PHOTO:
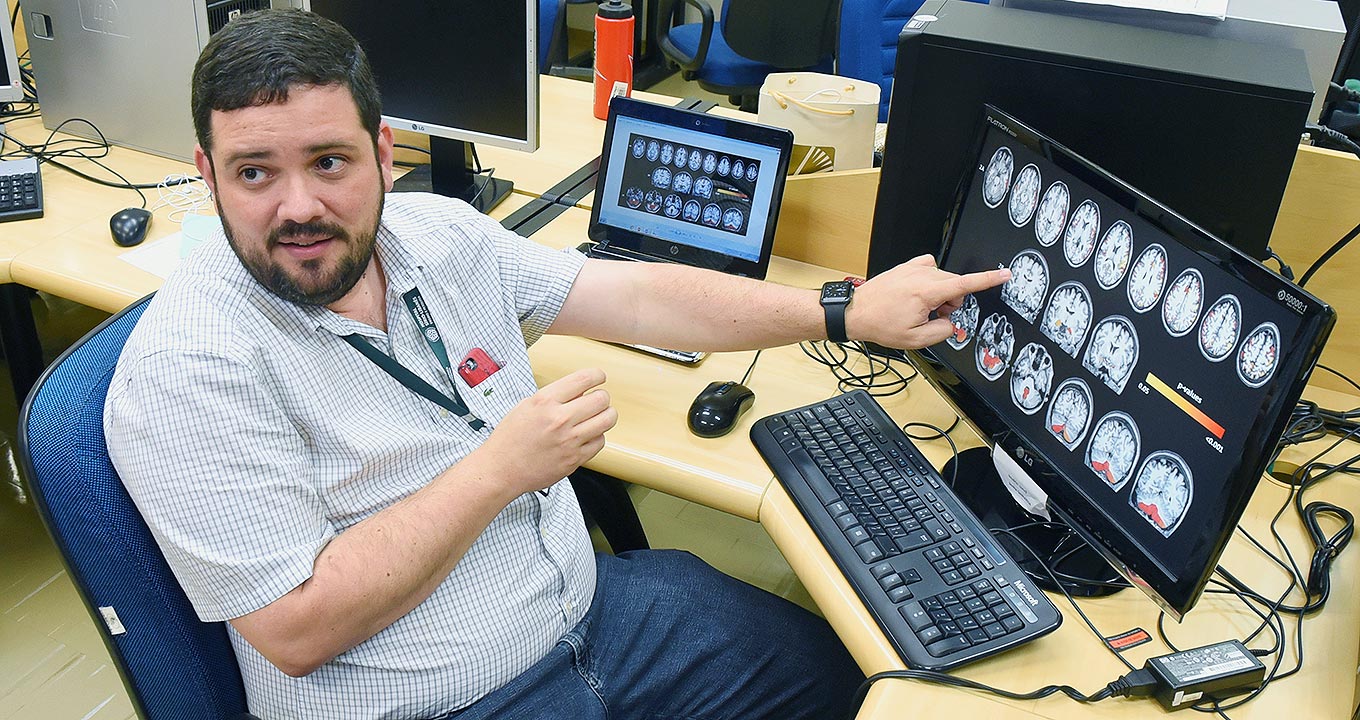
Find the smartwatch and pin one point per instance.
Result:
(835, 299)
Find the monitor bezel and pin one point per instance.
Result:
(14, 92)
(779, 138)
(1176, 596)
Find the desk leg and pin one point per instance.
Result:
(19, 339)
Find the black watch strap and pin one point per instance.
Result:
(835, 299)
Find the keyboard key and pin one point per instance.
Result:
(929, 634)
(900, 594)
(856, 534)
(994, 630)
(985, 616)
(869, 552)
(888, 582)
(1012, 623)
(977, 636)
(968, 624)
(940, 648)
(882, 570)
(952, 577)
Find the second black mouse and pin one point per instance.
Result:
(716, 410)
(129, 226)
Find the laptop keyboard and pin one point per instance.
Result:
(20, 190)
(924, 566)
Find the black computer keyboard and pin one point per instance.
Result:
(20, 190)
(924, 566)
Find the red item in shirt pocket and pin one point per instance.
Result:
(476, 366)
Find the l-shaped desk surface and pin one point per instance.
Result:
(69, 253)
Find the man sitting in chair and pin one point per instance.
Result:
(377, 552)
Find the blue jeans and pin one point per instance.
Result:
(668, 637)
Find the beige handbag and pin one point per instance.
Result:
(832, 119)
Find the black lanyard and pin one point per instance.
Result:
(420, 313)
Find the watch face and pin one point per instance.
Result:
(1028, 285)
(1219, 329)
(996, 342)
(1068, 317)
(965, 321)
(1113, 255)
(1024, 195)
(1080, 239)
(1069, 417)
(1184, 300)
(1163, 490)
(1113, 352)
(1114, 449)
(1048, 224)
(997, 179)
(1031, 378)
(1259, 355)
(1147, 278)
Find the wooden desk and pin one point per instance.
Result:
(1071, 655)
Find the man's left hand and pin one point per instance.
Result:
(908, 306)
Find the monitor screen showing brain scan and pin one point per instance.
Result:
(1133, 364)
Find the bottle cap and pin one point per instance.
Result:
(615, 10)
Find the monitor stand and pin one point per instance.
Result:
(451, 173)
(980, 488)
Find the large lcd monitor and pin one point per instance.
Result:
(460, 71)
(1138, 370)
(11, 82)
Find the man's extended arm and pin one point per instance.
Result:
(683, 307)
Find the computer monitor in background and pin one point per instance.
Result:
(1209, 126)
(458, 70)
(1135, 369)
(11, 82)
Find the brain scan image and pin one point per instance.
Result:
(695, 160)
(996, 342)
(1147, 278)
(738, 169)
(672, 205)
(653, 151)
(1113, 255)
(1113, 352)
(1220, 327)
(1259, 355)
(1069, 417)
(681, 157)
(965, 321)
(652, 203)
(1048, 224)
(732, 220)
(661, 177)
(1068, 317)
(1163, 490)
(1031, 378)
(712, 215)
(1028, 285)
(1113, 450)
(724, 166)
(1184, 299)
(1079, 240)
(691, 211)
(710, 163)
(639, 147)
(667, 152)
(682, 182)
(633, 196)
(751, 172)
(1024, 195)
(997, 178)
(703, 186)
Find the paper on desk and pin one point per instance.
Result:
(1217, 9)
(1030, 496)
(161, 257)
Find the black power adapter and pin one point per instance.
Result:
(1212, 672)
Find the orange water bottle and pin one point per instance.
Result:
(613, 54)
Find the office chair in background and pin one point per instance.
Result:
(174, 666)
(751, 39)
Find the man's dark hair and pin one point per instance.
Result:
(256, 58)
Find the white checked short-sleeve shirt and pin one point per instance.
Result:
(250, 434)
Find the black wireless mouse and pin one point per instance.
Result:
(129, 226)
(716, 410)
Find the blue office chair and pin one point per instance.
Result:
(751, 39)
(867, 49)
(174, 666)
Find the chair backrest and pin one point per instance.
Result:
(174, 666)
(867, 47)
(786, 34)
(552, 35)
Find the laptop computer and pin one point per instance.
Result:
(686, 187)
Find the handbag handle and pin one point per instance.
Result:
(784, 101)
